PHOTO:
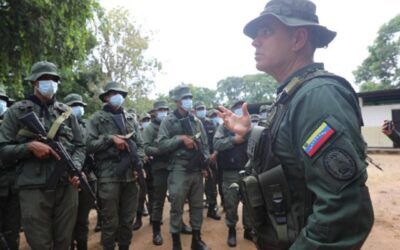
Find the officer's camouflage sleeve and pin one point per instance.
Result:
(149, 136)
(139, 141)
(222, 142)
(204, 141)
(96, 142)
(9, 148)
(330, 149)
(167, 142)
(395, 136)
(78, 155)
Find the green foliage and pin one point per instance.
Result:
(206, 95)
(381, 69)
(37, 30)
(252, 88)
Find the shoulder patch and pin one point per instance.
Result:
(318, 138)
(339, 164)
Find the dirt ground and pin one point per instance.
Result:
(384, 188)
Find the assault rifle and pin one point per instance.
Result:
(32, 122)
(129, 158)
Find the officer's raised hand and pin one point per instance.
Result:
(120, 143)
(42, 150)
(239, 125)
(189, 142)
(387, 127)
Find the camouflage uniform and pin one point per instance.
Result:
(183, 182)
(81, 230)
(118, 193)
(48, 216)
(10, 218)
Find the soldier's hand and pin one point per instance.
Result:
(205, 174)
(213, 157)
(42, 151)
(240, 125)
(238, 139)
(189, 142)
(75, 181)
(387, 127)
(120, 143)
(146, 159)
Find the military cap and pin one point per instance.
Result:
(159, 105)
(113, 86)
(293, 13)
(199, 104)
(142, 117)
(212, 112)
(254, 118)
(4, 96)
(42, 68)
(181, 92)
(237, 103)
(131, 111)
(74, 99)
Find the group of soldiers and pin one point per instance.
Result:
(300, 169)
(182, 154)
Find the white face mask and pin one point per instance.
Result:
(161, 115)
(116, 100)
(78, 111)
(145, 124)
(201, 113)
(187, 104)
(3, 107)
(216, 120)
(47, 88)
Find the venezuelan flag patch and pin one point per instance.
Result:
(317, 139)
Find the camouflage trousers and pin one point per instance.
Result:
(10, 219)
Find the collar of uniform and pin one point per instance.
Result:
(108, 108)
(303, 71)
(37, 101)
(180, 116)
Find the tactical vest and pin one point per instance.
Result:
(266, 192)
(234, 158)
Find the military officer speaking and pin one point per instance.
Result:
(47, 214)
(309, 165)
(182, 136)
(115, 141)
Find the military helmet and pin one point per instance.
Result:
(74, 99)
(237, 103)
(42, 68)
(160, 105)
(181, 92)
(4, 96)
(113, 86)
(199, 104)
(293, 13)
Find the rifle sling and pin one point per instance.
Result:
(57, 123)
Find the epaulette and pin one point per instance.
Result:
(24, 105)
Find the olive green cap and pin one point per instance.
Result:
(142, 117)
(181, 92)
(74, 99)
(113, 86)
(42, 68)
(212, 112)
(199, 104)
(237, 103)
(4, 96)
(159, 105)
(292, 13)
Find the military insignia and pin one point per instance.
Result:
(318, 138)
(339, 164)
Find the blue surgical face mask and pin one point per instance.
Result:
(201, 113)
(48, 88)
(216, 120)
(161, 115)
(116, 100)
(78, 111)
(238, 112)
(145, 124)
(187, 104)
(3, 107)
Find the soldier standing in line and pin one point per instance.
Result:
(47, 216)
(10, 218)
(81, 230)
(210, 187)
(117, 146)
(142, 209)
(309, 161)
(182, 136)
(232, 158)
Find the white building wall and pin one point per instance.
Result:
(373, 117)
